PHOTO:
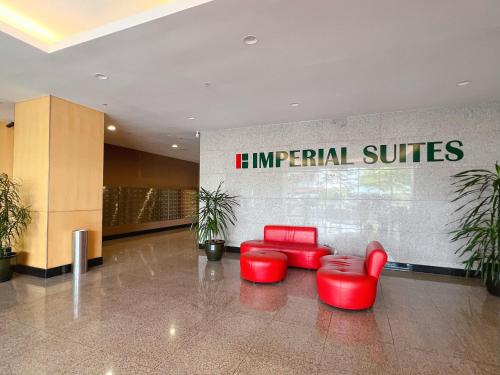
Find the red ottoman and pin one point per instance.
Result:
(263, 266)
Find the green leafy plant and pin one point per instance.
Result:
(478, 195)
(215, 214)
(14, 217)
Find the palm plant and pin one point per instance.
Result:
(215, 215)
(478, 233)
(14, 217)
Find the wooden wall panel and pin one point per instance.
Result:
(32, 247)
(127, 167)
(6, 149)
(61, 226)
(76, 157)
(31, 168)
(31, 151)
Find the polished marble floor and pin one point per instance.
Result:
(157, 306)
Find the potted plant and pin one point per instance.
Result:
(14, 218)
(215, 214)
(478, 233)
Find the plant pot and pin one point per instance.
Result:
(214, 249)
(6, 267)
(493, 287)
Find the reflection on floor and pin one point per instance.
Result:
(157, 306)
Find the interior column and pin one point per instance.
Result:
(58, 157)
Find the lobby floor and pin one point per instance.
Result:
(157, 306)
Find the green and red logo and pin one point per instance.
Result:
(241, 161)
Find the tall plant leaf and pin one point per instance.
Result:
(477, 193)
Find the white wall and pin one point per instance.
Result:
(403, 205)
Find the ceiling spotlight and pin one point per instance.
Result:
(111, 128)
(463, 83)
(104, 104)
(250, 39)
(294, 104)
(197, 135)
(190, 118)
(101, 76)
(175, 146)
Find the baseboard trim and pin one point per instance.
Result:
(232, 249)
(409, 267)
(229, 249)
(405, 267)
(51, 272)
(141, 232)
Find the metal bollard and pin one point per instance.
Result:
(80, 244)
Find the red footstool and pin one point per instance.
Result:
(263, 266)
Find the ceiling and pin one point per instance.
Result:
(51, 25)
(333, 57)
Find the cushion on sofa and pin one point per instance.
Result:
(290, 234)
(341, 259)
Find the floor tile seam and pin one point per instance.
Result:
(450, 353)
(51, 336)
(451, 328)
(452, 356)
(257, 339)
(24, 303)
(70, 368)
(247, 352)
(244, 315)
(292, 323)
(390, 327)
(105, 353)
(37, 329)
(277, 355)
(324, 342)
(57, 335)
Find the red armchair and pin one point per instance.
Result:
(299, 244)
(350, 282)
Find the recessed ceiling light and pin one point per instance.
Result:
(175, 146)
(463, 83)
(101, 76)
(111, 128)
(294, 104)
(250, 39)
(191, 118)
(104, 104)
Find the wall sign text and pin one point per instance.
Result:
(437, 151)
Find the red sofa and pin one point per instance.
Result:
(350, 282)
(299, 244)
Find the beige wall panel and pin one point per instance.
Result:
(31, 151)
(32, 246)
(127, 167)
(61, 225)
(6, 149)
(76, 157)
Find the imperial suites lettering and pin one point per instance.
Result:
(432, 151)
